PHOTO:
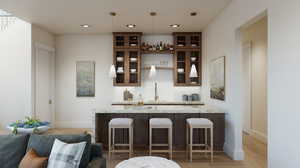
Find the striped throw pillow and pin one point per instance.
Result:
(65, 155)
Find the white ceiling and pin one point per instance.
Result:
(66, 16)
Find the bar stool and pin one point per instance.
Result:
(199, 123)
(161, 123)
(120, 123)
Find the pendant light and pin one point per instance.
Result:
(193, 73)
(152, 73)
(112, 72)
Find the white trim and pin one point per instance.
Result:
(234, 154)
(44, 47)
(247, 46)
(40, 46)
(259, 136)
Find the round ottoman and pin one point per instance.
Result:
(148, 162)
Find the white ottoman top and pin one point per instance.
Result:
(148, 162)
(160, 122)
(199, 122)
(119, 122)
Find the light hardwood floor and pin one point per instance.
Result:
(255, 154)
(255, 157)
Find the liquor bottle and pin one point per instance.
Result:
(160, 46)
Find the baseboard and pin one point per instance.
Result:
(73, 124)
(259, 136)
(234, 154)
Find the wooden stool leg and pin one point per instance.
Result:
(150, 140)
(187, 139)
(130, 141)
(109, 143)
(191, 144)
(113, 138)
(206, 143)
(170, 137)
(211, 144)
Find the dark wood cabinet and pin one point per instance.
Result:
(184, 59)
(187, 47)
(127, 59)
(187, 40)
(141, 129)
(125, 40)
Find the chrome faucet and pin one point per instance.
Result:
(156, 95)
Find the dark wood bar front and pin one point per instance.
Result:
(141, 129)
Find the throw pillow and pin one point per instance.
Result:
(65, 155)
(33, 160)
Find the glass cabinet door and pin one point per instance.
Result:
(133, 67)
(180, 67)
(120, 66)
(194, 59)
(120, 41)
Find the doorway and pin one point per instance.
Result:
(254, 53)
(44, 83)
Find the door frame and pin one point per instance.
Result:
(247, 125)
(40, 46)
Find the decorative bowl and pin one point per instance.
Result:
(180, 70)
(120, 59)
(30, 125)
(37, 130)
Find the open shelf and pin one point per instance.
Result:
(158, 52)
(159, 68)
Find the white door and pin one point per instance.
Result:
(44, 92)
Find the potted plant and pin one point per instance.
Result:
(30, 125)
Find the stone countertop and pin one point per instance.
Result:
(163, 109)
(159, 103)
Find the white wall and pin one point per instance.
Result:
(70, 110)
(76, 112)
(257, 35)
(283, 84)
(15, 72)
(221, 39)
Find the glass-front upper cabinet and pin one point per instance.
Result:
(127, 40)
(186, 61)
(187, 40)
(128, 67)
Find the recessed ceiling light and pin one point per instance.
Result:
(85, 26)
(193, 13)
(174, 25)
(112, 13)
(131, 25)
(152, 13)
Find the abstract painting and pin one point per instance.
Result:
(85, 78)
(217, 79)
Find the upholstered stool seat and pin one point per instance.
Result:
(120, 123)
(161, 123)
(199, 123)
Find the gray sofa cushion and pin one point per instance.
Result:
(12, 150)
(43, 145)
(97, 163)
